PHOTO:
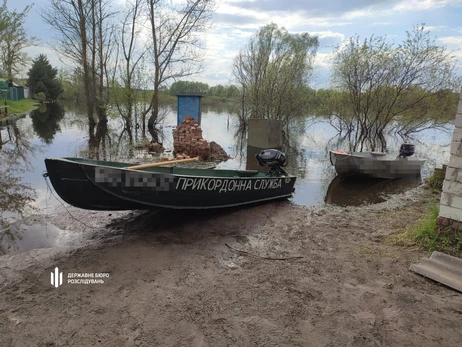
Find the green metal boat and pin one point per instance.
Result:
(103, 185)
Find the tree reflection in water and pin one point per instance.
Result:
(45, 121)
(113, 141)
(15, 196)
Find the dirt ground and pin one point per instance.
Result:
(267, 275)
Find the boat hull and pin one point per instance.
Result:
(93, 186)
(369, 164)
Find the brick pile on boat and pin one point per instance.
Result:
(188, 141)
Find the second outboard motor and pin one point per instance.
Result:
(406, 150)
(273, 159)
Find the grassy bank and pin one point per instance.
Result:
(19, 107)
(423, 235)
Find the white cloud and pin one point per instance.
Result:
(416, 5)
(323, 60)
(437, 28)
(328, 34)
(452, 40)
(378, 11)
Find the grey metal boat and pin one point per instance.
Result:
(376, 164)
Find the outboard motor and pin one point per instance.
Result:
(406, 150)
(273, 159)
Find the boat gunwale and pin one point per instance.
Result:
(258, 175)
(376, 159)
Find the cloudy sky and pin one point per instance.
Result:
(333, 21)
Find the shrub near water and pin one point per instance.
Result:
(423, 234)
(436, 180)
(40, 97)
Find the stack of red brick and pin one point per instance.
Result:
(188, 141)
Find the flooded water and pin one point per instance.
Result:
(59, 132)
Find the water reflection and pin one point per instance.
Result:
(23, 238)
(317, 181)
(360, 191)
(6, 122)
(16, 196)
(45, 121)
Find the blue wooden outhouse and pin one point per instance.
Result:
(189, 105)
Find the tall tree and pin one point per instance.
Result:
(177, 50)
(384, 87)
(127, 80)
(84, 35)
(13, 39)
(273, 72)
(43, 78)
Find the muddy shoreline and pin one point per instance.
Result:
(268, 275)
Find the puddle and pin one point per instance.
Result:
(360, 191)
(19, 238)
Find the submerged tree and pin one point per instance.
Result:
(382, 88)
(84, 32)
(177, 45)
(273, 72)
(129, 77)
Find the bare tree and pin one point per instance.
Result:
(84, 35)
(126, 81)
(177, 50)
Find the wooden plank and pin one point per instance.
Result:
(145, 166)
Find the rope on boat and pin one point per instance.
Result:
(45, 175)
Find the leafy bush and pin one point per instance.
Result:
(40, 97)
(436, 180)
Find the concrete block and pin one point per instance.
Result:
(265, 133)
(457, 134)
(456, 148)
(446, 199)
(452, 187)
(456, 202)
(455, 162)
(451, 212)
(453, 174)
(458, 121)
(451, 200)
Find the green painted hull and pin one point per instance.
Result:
(100, 185)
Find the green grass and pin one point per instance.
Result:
(436, 180)
(423, 235)
(21, 106)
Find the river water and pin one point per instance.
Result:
(64, 132)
